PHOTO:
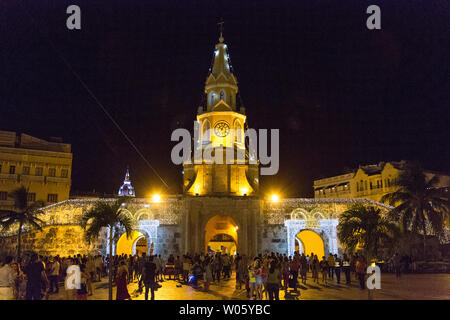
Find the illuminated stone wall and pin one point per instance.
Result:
(63, 240)
(177, 225)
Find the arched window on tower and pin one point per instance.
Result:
(222, 95)
(238, 132)
(206, 131)
(212, 98)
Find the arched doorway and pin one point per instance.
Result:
(310, 242)
(136, 244)
(221, 235)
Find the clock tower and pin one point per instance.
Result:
(221, 122)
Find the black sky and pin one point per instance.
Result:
(340, 94)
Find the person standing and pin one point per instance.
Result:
(122, 282)
(324, 268)
(361, 271)
(54, 275)
(331, 263)
(273, 281)
(35, 272)
(346, 268)
(7, 280)
(293, 268)
(251, 292)
(208, 273)
(303, 268)
(315, 266)
(149, 278)
(82, 291)
(337, 268)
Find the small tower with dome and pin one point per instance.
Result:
(126, 190)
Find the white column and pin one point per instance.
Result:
(329, 226)
(293, 228)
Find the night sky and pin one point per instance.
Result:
(340, 94)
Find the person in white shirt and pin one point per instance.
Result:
(7, 280)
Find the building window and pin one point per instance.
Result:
(0, 168)
(64, 173)
(357, 186)
(26, 170)
(39, 171)
(52, 172)
(12, 169)
(52, 197)
(31, 197)
(381, 183)
(3, 195)
(222, 95)
(238, 132)
(370, 184)
(212, 98)
(206, 131)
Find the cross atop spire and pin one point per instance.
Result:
(220, 24)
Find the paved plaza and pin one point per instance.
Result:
(408, 287)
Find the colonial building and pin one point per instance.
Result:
(220, 208)
(42, 167)
(367, 182)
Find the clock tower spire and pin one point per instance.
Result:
(221, 121)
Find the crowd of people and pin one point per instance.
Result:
(36, 277)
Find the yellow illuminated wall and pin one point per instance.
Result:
(125, 245)
(311, 242)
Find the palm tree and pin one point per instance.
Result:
(111, 216)
(365, 227)
(418, 202)
(24, 215)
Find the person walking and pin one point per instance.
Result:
(149, 278)
(7, 280)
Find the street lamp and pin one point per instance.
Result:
(156, 197)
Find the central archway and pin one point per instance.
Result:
(310, 242)
(136, 244)
(221, 235)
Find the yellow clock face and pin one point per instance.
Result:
(221, 129)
